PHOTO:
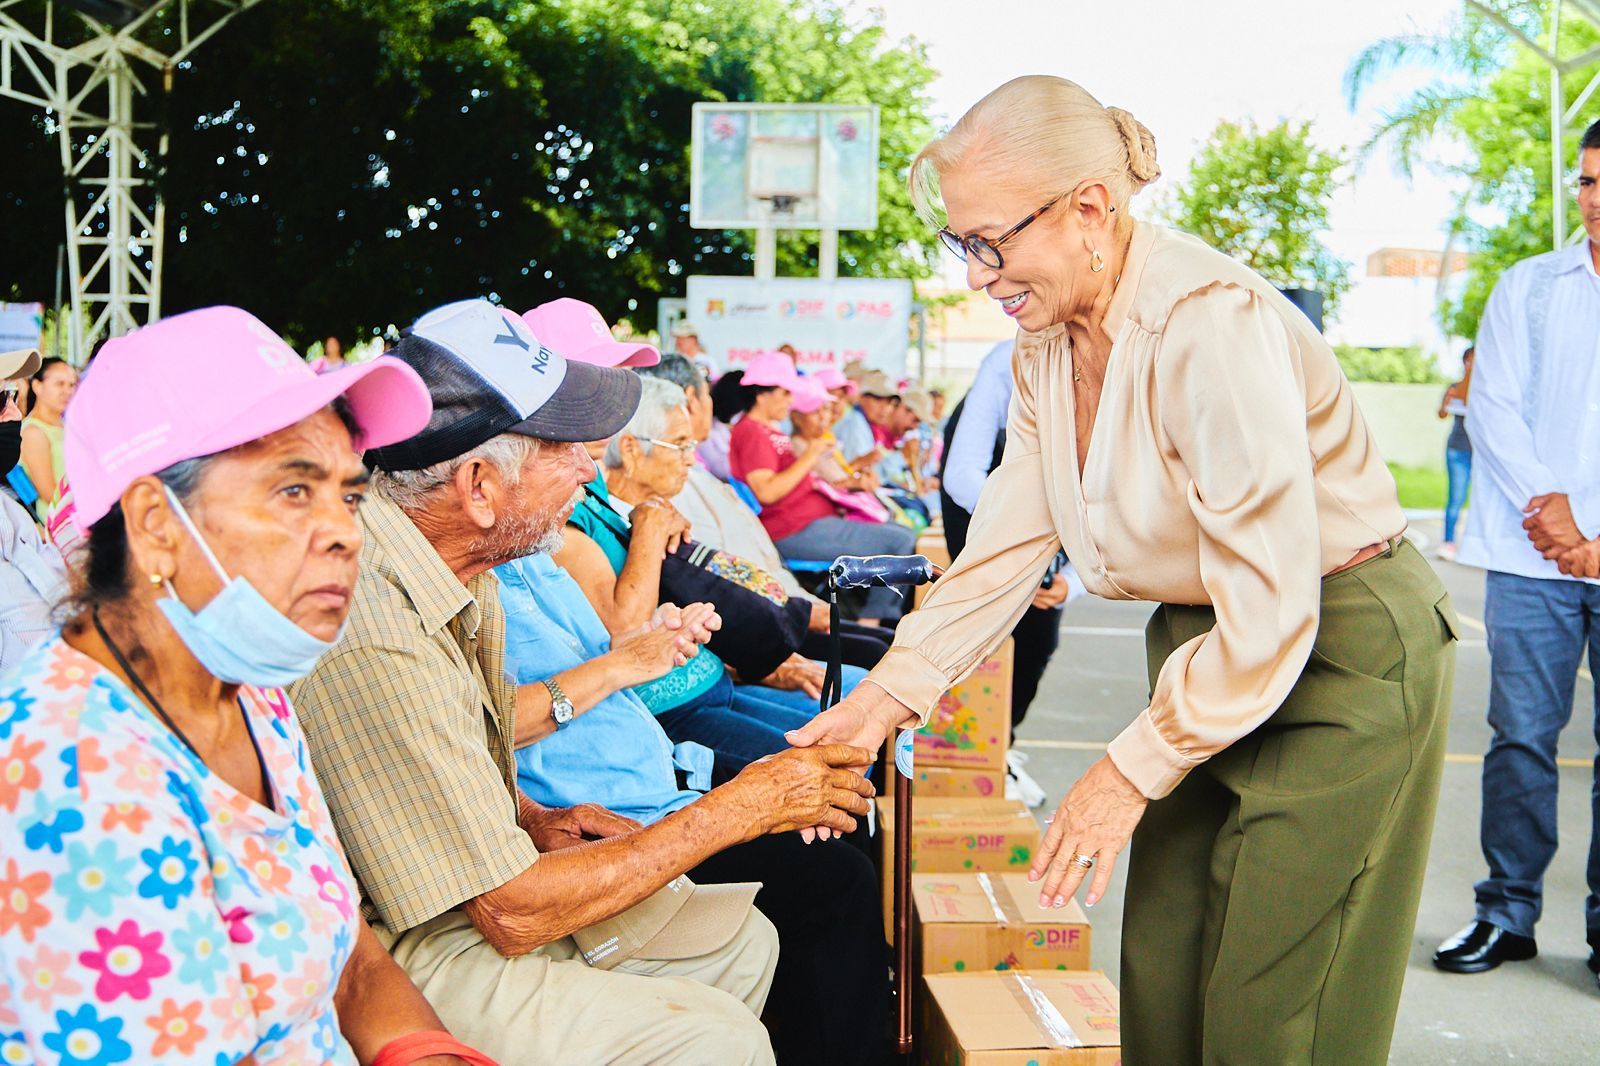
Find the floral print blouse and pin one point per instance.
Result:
(149, 912)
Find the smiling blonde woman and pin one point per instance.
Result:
(1187, 436)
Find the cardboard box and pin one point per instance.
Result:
(975, 922)
(967, 784)
(930, 543)
(1017, 1018)
(957, 836)
(970, 729)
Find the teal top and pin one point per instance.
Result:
(595, 516)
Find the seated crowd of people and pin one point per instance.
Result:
(432, 709)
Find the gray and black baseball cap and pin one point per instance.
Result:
(488, 374)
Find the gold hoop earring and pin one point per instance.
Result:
(1096, 262)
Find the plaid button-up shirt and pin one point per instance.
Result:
(410, 721)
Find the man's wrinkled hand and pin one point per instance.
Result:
(801, 788)
(554, 828)
(1582, 561)
(1550, 524)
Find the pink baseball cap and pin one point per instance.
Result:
(834, 378)
(808, 394)
(202, 382)
(772, 369)
(579, 332)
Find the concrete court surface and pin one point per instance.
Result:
(1545, 1011)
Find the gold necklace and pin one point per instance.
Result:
(1077, 374)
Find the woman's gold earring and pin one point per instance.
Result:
(1096, 262)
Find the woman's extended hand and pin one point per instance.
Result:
(1095, 819)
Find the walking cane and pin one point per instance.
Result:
(867, 571)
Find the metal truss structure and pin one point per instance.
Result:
(88, 75)
(1563, 115)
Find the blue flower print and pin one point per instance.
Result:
(203, 948)
(179, 790)
(281, 940)
(94, 879)
(70, 758)
(52, 820)
(303, 833)
(13, 710)
(82, 1038)
(14, 1048)
(171, 875)
(326, 1038)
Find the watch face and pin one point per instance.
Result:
(562, 710)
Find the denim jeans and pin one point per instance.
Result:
(786, 708)
(1458, 464)
(1538, 630)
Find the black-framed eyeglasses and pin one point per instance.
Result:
(984, 250)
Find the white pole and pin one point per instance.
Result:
(766, 252)
(1558, 192)
(828, 255)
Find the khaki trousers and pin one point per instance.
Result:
(550, 1008)
(1271, 897)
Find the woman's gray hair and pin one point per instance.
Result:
(409, 489)
(657, 400)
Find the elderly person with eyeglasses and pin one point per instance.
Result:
(1187, 436)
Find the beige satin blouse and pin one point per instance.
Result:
(1229, 465)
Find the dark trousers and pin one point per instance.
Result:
(1538, 630)
(861, 645)
(829, 1003)
(1036, 637)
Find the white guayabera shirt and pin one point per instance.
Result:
(1534, 413)
(33, 581)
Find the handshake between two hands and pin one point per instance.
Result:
(1555, 533)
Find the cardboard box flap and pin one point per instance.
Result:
(1019, 1011)
(1007, 899)
(957, 813)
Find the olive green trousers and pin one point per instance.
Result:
(1272, 895)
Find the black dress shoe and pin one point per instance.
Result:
(1482, 946)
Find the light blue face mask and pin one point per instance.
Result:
(240, 637)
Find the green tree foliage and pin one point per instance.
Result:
(1490, 109)
(1404, 366)
(1261, 196)
(339, 165)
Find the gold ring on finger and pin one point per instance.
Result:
(1085, 861)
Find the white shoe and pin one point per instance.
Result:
(1020, 784)
(1447, 551)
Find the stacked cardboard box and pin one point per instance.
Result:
(962, 749)
(958, 836)
(1018, 1018)
(980, 921)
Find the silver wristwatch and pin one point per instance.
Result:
(560, 707)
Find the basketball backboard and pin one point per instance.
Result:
(784, 166)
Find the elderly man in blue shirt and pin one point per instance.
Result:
(830, 991)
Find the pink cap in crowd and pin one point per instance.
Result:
(200, 383)
(579, 332)
(771, 369)
(808, 394)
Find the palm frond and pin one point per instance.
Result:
(1414, 123)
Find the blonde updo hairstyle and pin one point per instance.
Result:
(1046, 135)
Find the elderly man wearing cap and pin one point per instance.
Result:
(686, 340)
(172, 887)
(33, 579)
(863, 431)
(545, 935)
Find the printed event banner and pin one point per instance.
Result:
(829, 323)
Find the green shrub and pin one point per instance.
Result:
(1402, 366)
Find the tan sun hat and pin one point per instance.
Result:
(877, 383)
(23, 363)
(681, 921)
(684, 328)
(917, 400)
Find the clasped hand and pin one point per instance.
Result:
(1555, 533)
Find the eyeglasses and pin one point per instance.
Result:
(684, 450)
(984, 250)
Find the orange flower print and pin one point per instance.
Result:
(265, 867)
(18, 774)
(90, 761)
(233, 1010)
(140, 773)
(131, 815)
(19, 901)
(69, 671)
(177, 1028)
(306, 987)
(45, 976)
(258, 989)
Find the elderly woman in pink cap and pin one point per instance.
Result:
(805, 521)
(171, 887)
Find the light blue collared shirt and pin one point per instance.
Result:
(614, 754)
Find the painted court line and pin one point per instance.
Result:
(1091, 745)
